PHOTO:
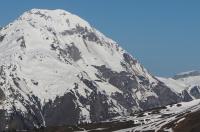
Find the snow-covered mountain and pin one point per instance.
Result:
(187, 84)
(56, 69)
(191, 78)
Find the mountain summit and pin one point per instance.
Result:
(56, 69)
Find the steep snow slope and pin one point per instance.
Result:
(56, 69)
(174, 84)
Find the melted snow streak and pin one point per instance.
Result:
(55, 68)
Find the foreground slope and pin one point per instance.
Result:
(55, 69)
(181, 117)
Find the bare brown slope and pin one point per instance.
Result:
(190, 124)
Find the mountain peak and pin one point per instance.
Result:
(58, 16)
(52, 61)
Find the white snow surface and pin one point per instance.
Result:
(190, 81)
(174, 84)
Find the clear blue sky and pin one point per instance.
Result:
(164, 35)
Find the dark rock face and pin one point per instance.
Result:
(99, 107)
(3, 121)
(186, 96)
(77, 30)
(126, 100)
(2, 95)
(2, 37)
(84, 33)
(150, 103)
(22, 42)
(63, 111)
(99, 104)
(22, 121)
(74, 52)
(41, 15)
(195, 92)
(129, 59)
(165, 95)
(69, 52)
(124, 81)
(89, 84)
(18, 122)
